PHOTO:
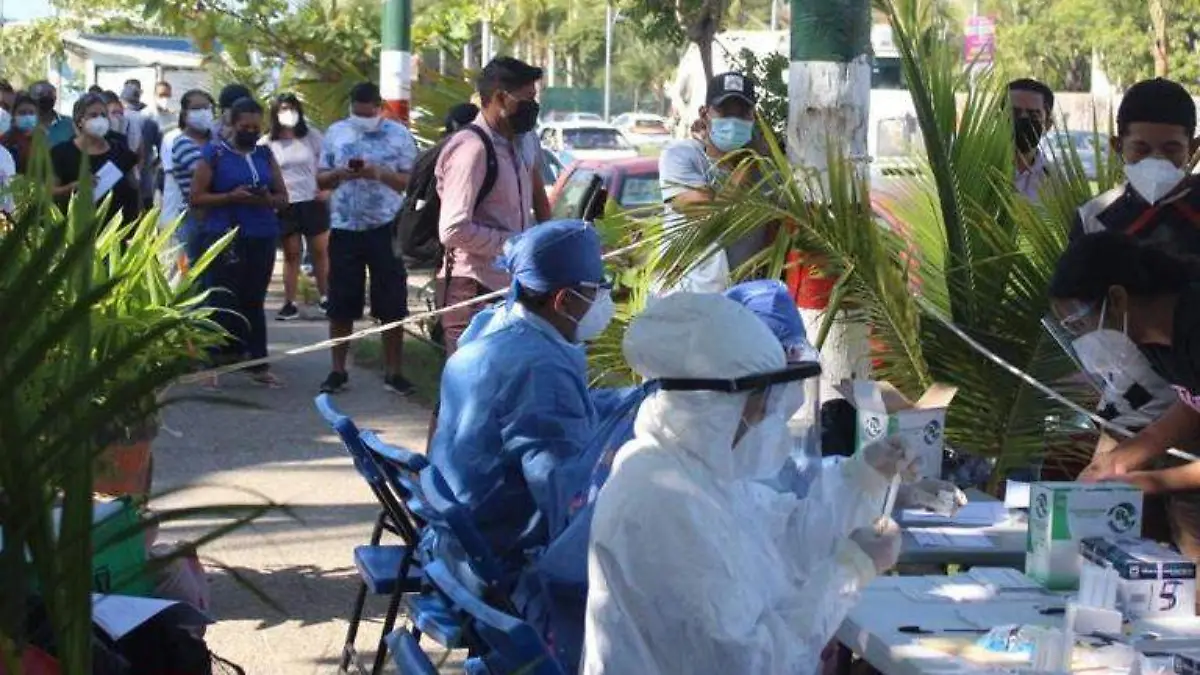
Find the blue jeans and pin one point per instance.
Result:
(238, 281)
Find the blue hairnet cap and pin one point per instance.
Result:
(770, 300)
(553, 255)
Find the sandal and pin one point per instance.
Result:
(267, 379)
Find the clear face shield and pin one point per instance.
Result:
(804, 427)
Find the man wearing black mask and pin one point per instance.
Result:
(1032, 106)
(58, 129)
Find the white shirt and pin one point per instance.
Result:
(172, 199)
(8, 169)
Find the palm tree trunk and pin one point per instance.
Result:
(1158, 19)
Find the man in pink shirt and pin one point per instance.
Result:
(474, 235)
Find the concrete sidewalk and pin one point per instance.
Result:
(278, 448)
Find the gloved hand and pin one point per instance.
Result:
(881, 543)
(939, 496)
(892, 455)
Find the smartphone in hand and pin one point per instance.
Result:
(356, 164)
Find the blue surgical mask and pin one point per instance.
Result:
(730, 133)
(26, 122)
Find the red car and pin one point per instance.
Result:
(631, 183)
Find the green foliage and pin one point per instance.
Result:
(1053, 40)
(771, 74)
(93, 334)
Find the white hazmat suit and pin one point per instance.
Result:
(694, 567)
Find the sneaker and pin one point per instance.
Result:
(288, 312)
(398, 385)
(335, 383)
(323, 305)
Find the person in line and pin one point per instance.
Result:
(297, 148)
(1107, 286)
(1032, 106)
(691, 170)
(19, 139)
(458, 117)
(8, 95)
(1158, 203)
(366, 160)
(8, 166)
(688, 548)
(474, 230)
(107, 155)
(230, 94)
(237, 184)
(131, 106)
(164, 112)
(182, 158)
(142, 121)
(515, 406)
(58, 128)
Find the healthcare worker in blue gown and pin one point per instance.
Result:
(516, 411)
(556, 583)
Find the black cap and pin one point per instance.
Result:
(731, 85)
(365, 92)
(231, 94)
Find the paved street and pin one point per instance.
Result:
(280, 449)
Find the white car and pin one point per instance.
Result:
(644, 128)
(586, 140)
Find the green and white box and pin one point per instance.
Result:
(883, 411)
(1155, 580)
(1061, 514)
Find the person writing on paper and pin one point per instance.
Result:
(1135, 306)
(108, 158)
(694, 565)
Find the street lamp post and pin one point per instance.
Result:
(608, 38)
(395, 59)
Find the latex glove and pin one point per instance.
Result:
(939, 496)
(892, 455)
(881, 543)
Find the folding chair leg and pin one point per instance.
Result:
(352, 631)
(388, 624)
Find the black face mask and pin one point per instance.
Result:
(525, 118)
(1026, 134)
(246, 139)
(46, 105)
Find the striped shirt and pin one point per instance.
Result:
(185, 153)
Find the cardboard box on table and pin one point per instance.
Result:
(1155, 580)
(883, 411)
(1061, 514)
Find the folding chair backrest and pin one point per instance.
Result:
(407, 654)
(402, 469)
(455, 520)
(516, 644)
(350, 436)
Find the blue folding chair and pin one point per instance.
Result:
(408, 656)
(388, 570)
(510, 645)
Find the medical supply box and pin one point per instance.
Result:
(883, 411)
(1061, 514)
(1155, 580)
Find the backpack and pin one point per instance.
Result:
(417, 225)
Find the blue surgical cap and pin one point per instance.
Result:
(770, 300)
(554, 255)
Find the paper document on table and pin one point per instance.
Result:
(106, 179)
(1016, 495)
(975, 513)
(951, 538)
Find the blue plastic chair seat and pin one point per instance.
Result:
(434, 618)
(379, 568)
(407, 655)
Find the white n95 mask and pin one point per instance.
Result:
(1153, 178)
(597, 317)
(1114, 358)
(763, 450)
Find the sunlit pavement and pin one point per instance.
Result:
(278, 448)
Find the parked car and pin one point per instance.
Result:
(1091, 148)
(644, 128)
(551, 170)
(631, 183)
(586, 140)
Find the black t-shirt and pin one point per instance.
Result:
(66, 159)
(1129, 214)
(1179, 363)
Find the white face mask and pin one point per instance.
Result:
(200, 120)
(5, 121)
(762, 451)
(597, 317)
(1114, 358)
(288, 118)
(1153, 178)
(365, 124)
(163, 102)
(96, 126)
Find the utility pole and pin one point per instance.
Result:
(608, 38)
(829, 93)
(774, 15)
(395, 60)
